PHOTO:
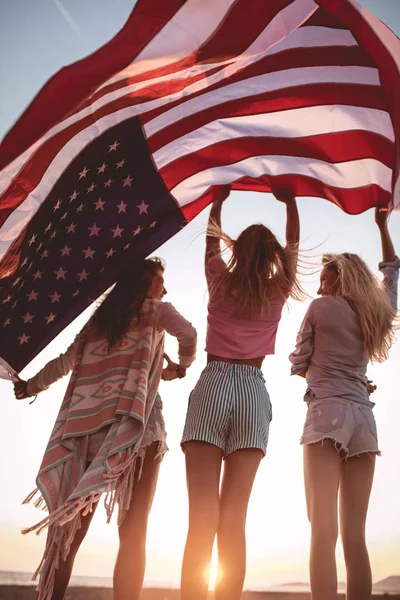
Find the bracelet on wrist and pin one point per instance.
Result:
(180, 371)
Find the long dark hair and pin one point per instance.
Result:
(125, 301)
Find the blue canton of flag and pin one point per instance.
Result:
(109, 208)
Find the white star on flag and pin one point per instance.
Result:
(32, 295)
(71, 228)
(57, 205)
(110, 253)
(91, 188)
(137, 231)
(60, 273)
(113, 146)
(127, 181)
(121, 163)
(94, 230)
(102, 168)
(83, 173)
(121, 207)
(143, 208)
(108, 182)
(65, 251)
(50, 318)
(117, 231)
(99, 204)
(23, 339)
(73, 196)
(27, 318)
(38, 275)
(32, 240)
(83, 275)
(89, 253)
(55, 297)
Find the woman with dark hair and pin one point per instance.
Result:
(229, 409)
(351, 324)
(109, 435)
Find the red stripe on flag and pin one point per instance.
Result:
(388, 69)
(352, 201)
(296, 97)
(331, 148)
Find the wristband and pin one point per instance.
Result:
(180, 371)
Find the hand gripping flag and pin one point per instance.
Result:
(120, 150)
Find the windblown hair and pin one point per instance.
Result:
(125, 301)
(260, 268)
(370, 300)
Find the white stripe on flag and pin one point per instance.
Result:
(295, 123)
(349, 174)
(262, 84)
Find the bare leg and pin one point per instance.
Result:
(203, 470)
(322, 470)
(355, 490)
(239, 473)
(63, 573)
(131, 560)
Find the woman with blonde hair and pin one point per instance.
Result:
(351, 324)
(229, 409)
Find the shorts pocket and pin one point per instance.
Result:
(370, 420)
(269, 408)
(328, 416)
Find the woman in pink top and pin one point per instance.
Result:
(229, 409)
(110, 433)
(342, 331)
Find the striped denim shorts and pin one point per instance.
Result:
(229, 408)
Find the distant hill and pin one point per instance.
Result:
(390, 584)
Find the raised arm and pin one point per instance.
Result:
(213, 245)
(390, 264)
(381, 219)
(292, 217)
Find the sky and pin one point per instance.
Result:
(36, 39)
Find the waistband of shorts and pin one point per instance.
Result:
(233, 369)
(314, 401)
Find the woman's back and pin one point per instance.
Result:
(338, 362)
(232, 333)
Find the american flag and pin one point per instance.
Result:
(189, 96)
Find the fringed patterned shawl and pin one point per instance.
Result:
(117, 390)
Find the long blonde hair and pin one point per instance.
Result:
(370, 300)
(260, 268)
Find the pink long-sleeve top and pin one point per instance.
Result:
(232, 334)
(168, 319)
(330, 345)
